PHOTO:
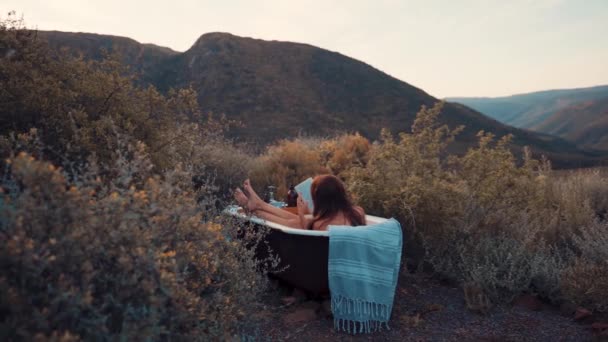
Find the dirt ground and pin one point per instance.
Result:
(424, 310)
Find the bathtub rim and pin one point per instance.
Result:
(234, 212)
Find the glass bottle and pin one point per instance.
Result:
(292, 197)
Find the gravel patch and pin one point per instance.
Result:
(424, 310)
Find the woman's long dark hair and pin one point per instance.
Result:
(329, 198)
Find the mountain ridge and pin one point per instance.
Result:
(553, 90)
(578, 115)
(279, 89)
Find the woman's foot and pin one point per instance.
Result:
(248, 189)
(247, 203)
(240, 197)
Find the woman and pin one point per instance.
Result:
(331, 206)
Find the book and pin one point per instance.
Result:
(304, 189)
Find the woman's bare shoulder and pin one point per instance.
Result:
(362, 213)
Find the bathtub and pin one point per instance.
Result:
(303, 253)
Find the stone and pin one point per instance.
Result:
(299, 295)
(529, 302)
(310, 304)
(433, 308)
(599, 327)
(461, 332)
(411, 321)
(300, 316)
(581, 313)
(326, 307)
(262, 315)
(274, 284)
(287, 301)
(567, 309)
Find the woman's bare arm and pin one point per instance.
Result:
(263, 206)
(293, 222)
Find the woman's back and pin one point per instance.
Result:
(340, 219)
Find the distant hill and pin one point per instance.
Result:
(282, 89)
(140, 57)
(585, 122)
(579, 115)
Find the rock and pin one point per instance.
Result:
(529, 302)
(461, 332)
(274, 284)
(411, 321)
(262, 315)
(299, 295)
(300, 316)
(311, 304)
(326, 307)
(433, 308)
(581, 313)
(233, 338)
(599, 327)
(287, 301)
(567, 309)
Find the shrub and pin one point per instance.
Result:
(214, 160)
(284, 164)
(497, 226)
(586, 283)
(123, 257)
(103, 235)
(582, 195)
(341, 154)
(291, 161)
(77, 104)
(406, 179)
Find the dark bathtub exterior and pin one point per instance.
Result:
(303, 253)
(304, 258)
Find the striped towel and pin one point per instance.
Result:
(363, 270)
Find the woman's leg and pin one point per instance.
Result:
(256, 204)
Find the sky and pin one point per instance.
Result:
(447, 48)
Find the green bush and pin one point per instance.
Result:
(103, 234)
(126, 257)
(78, 106)
(343, 153)
(406, 179)
(586, 281)
(283, 164)
(498, 226)
(586, 284)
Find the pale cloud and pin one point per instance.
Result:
(448, 48)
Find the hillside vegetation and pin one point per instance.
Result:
(578, 115)
(109, 190)
(279, 90)
(498, 229)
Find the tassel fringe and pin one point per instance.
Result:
(358, 316)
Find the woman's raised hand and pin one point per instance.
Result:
(302, 205)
